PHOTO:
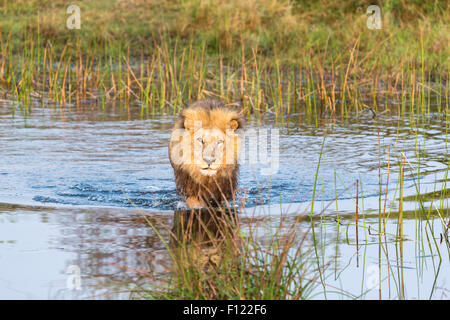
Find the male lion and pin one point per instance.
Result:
(203, 152)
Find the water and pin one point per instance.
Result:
(70, 182)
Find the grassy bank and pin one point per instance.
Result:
(275, 56)
(324, 30)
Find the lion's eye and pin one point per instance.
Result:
(220, 141)
(200, 140)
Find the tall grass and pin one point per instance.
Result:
(281, 59)
(173, 77)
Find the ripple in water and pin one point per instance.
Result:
(118, 162)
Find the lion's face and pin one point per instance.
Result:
(206, 144)
(205, 151)
(209, 150)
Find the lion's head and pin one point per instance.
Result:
(204, 141)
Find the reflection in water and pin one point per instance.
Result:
(206, 233)
(118, 252)
(204, 227)
(114, 249)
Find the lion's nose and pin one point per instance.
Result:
(209, 160)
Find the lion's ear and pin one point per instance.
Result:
(189, 119)
(234, 124)
(188, 124)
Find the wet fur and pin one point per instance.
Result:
(191, 184)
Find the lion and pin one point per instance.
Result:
(203, 152)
